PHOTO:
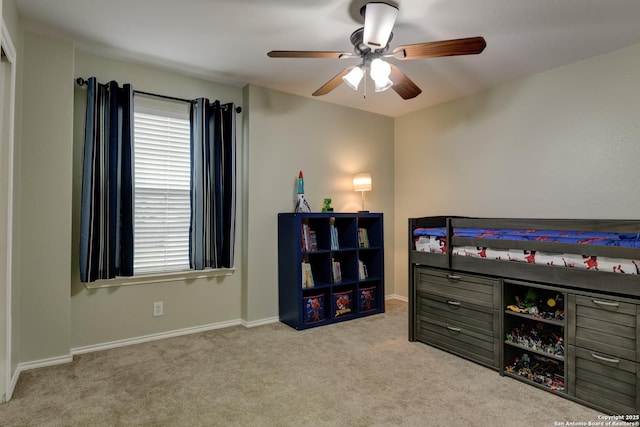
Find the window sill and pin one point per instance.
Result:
(146, 279)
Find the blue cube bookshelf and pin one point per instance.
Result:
(330, 267)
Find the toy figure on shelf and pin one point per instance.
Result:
(539, 306)
(326, 205)
(530, 298)
(301, 205)
(525, 360)
(538, 369)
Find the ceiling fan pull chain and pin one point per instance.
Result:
(365, 81)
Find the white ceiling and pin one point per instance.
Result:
(227, 40)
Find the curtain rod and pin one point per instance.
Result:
(82, 82)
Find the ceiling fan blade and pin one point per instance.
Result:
(402, 84)
(307, 54)
(333, 83)
(468, 46)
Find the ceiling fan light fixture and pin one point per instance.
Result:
(353, 77)
(380, 71)
(371, 42)
(379, 18)
(382, 87)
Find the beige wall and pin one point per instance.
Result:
(284, 135)
(113, 314)
(563, 143)
(45, 205)
(557, 144)
(329, 143)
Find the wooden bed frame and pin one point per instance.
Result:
(602, 281)
(461, 304)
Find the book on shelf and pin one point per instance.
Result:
(309, 240)
(363, 238)
(335, 244)
(336, 272)
(314, 241)
(362, 270)
(307, 276)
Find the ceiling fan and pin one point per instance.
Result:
(371, 45)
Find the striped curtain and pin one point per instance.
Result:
(106, 222)
(213, 185)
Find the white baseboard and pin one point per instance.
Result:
(44, 362)
(398, 297)
(153, 337)
(34, 365)
(129, 341)
(12, 385)
(142, 339)
(261, 322)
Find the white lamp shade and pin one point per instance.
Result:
(379, 18)
(362, 182)
(353, 77)
(382, 87)
(380, 71)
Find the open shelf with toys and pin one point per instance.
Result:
(534, 333)
(330, 267)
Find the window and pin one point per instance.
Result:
(161, 190)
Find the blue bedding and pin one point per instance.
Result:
(631, 240)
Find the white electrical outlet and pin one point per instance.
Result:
(158, 308)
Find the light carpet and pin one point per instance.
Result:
(358, 373)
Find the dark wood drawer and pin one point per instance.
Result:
(473, 317)
(603, 379)
(461, 287)
(604, 325)
(459, 339)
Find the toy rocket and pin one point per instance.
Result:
(300, 183)
(301, 205)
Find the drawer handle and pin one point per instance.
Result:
(605, 303)
(456, 303)
(454, 329)
(604, 359)
(453, 277)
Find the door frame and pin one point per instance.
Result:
(6, 44)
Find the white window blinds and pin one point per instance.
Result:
(161, 176)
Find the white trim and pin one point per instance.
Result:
(254, 323)
(6, 44)
(398, 297)
(43, 363)
(160, 278)
(14, 381)
(143, 339)
(132, 341)
(154, 337)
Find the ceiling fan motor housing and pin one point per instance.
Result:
(360, 48)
